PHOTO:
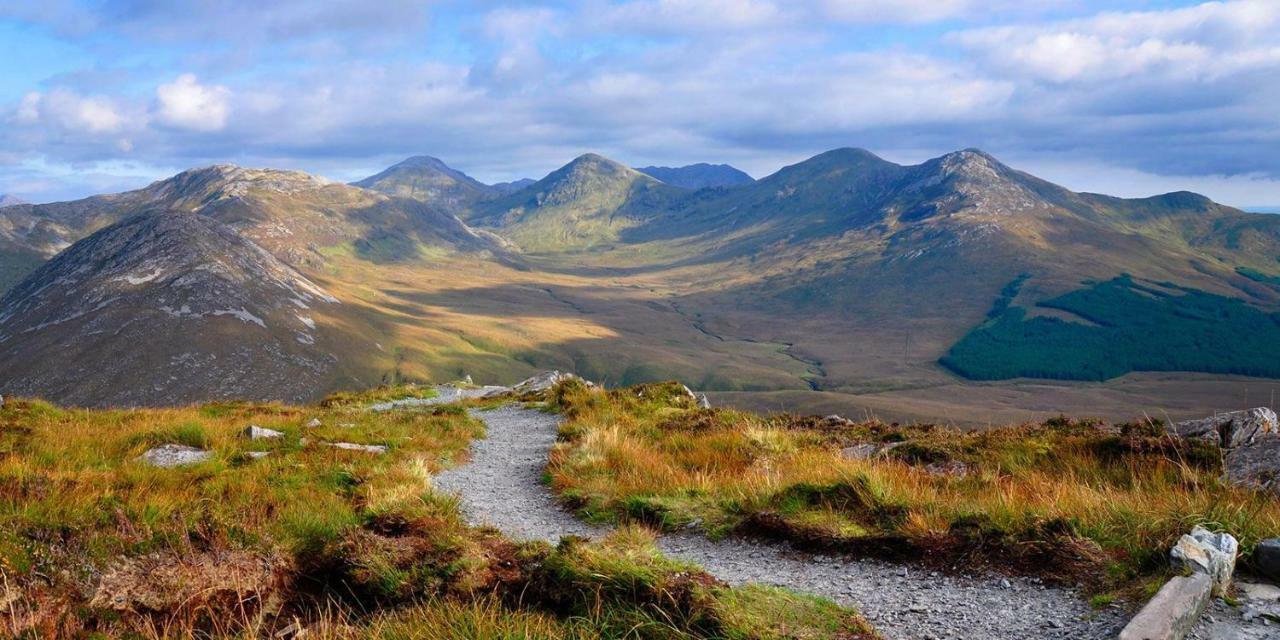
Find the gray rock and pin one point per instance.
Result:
(254, 432)
(1267, 557)
(1251, 440)
(174, 455)
(544, 382)
(1173, 612)
(703, 402)
(368, 448)
(467, 379)
(860, 451)
(1228, 430)
(1, 402)
(257, 455)
(314, 423)
(1213, 554)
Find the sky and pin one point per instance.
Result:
(1127, 97)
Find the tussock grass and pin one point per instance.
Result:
(1068, 500)
(345, 544)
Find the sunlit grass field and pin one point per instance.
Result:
(1080, 502)
(343, 544)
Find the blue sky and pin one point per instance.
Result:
(1131, 97)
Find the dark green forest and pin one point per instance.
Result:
(1137, 328)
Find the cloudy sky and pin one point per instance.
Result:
(1130, 97)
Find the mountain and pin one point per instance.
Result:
(164, 308)
(7, 200)
(699, 176)
(430, 180)
(584, 204)
(505, 188)
(948, 289)
(300, 218)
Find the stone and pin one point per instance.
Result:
(1173, 612)
(703, 402)
(368, 448)
(1229, 430)
(314, 423)
(257, 455)
(1259, 591)
(1266, 556)
(860, 451)
(544, 382)
(167, 456)
(1213, 554)
(254, 432)
(1, 402)
(467, 379)
(1250, 440)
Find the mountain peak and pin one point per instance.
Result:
(699, 176)
(7, 200)
(428, 179)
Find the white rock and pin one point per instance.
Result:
(703, 402)
(1213, 554)
(314, 422)
(257, 455)
(254, 432)
(174, 455)
(368, 448)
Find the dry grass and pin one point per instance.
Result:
(346, 544)
(1062, 498)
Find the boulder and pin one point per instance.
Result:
(314, 423)
(174, 455)
(1250, 441)
(254, 432)
(703, 402)
(1213, 554)
(1266, 556)
(1231, 429)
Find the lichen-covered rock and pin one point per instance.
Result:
(314, 423)
(174, 455)
(1203, 551)
(1229, 430)
(367, 448)
(544, 382)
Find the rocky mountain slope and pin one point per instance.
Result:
(165, 301)
(699, 176)
(7, 200)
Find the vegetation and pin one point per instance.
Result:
(345, 544)
(1066, 500)
(1135, 327)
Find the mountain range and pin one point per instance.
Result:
(844, 281)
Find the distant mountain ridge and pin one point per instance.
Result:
(867, 273)
(7, 200)
(699, 176)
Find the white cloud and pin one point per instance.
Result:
(1204, 42)
(68, 111)
(187, 104)
(678, 16)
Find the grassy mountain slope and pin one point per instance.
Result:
(430, 180)
(585, 204)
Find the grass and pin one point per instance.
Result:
(1072, 501)
(346, 544)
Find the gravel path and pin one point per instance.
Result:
(502, 486)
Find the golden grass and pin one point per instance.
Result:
(1125, 492)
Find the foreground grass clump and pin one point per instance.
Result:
(1073, 501)
(343, 544)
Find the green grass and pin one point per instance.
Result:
(1136, 328)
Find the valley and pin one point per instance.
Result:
(843, 284)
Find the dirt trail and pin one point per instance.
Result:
(503, 486)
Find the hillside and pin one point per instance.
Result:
(432, 181)
(165, 307)
(7, 200)
(587, 203)
(699, 176)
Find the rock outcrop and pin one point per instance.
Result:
(1203, 551)
(1250, 441)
